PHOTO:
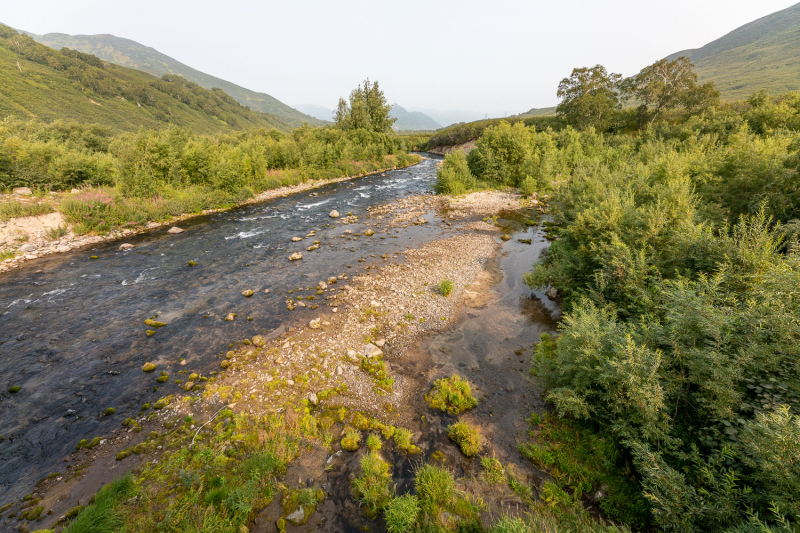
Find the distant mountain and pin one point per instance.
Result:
(131, 54)
(450, 117)
(764, 54)
(316, 111)
(538, 112)
(412, 120)
(41, 83)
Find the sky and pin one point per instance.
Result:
(497, 57)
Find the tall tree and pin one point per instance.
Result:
(589, 97)
(668, 85)
(367, 110)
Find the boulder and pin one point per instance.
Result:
(334, 214)
(297, 239)
(298, 517)
(126, 246)
(22, 191)
(321, 286)
(230, 317)
(295, 256)
(258, 341)
(313, 398)
(148, 367)
(380, 343)
(27, 248)
(174, 230)
(370, 351)
(552, 293)
(369, 233)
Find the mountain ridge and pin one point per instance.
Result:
(132, 54)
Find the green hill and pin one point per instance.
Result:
(764, 54)
(413, 120)
(45, 84)
(131, 54)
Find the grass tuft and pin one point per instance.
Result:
(446, 287)
(372, 488)
(453, 395)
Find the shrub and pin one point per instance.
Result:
(402, 437)
(454, 177)
(372, 488)
(492, 470)
(467, 436)
(401, 514)
(445, 287)
(351, 440)
(453, 395)
(373, 442)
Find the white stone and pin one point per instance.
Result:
(125, 246)
(174, 230)
(334, 214)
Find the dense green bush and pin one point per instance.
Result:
(677, 262)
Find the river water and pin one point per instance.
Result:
(72, 332)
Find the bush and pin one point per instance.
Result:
(445, 287)
(454, 177)
(351, 440)
(467, 436)
(453, 395)
(372, 488)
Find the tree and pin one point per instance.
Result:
(367, 110)
(667, 85)
(589, 98)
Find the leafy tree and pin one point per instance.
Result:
(667, 85)
(589, 98)
(367, 110)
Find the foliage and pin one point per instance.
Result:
(401, 514)
(453, 395)
(467, 436)
(678, 269)
(13, 209)
(445, 287)
(351, 440)
(589, 98)
(367, 110)
(372, 488)
(103, 515)
(454, 177)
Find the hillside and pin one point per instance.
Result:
(764, 54)
(412, 120)
(128, 53)
(42, 83)
(316, 111)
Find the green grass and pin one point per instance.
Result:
(351, 440)
(402, 513)
(372, 488)
(453, 395)
(445, 287)
(492, 471)
(104, 515)
(402, 438)
(467, 436)
(373, 442)
(13, 209)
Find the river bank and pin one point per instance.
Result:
(30, 238)
(317, 365)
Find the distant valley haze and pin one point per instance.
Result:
(485, 59)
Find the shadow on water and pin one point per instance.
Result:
(72, 332)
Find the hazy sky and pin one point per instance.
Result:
(493, 56)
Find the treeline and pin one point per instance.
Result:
(132, 178)
(677, 263)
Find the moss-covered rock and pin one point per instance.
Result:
(192, 263)
(110, 411)
(148, 367)
(15, 389)
(162, 378)
(225, 364)
(149, 332)
(154, 323)
(32, 513)
(248, 293)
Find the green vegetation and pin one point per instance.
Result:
(103, 515)
(72, 86)
(402, 514)
(467, 436)
(677, 260)
(351, 440)
(373, 442)
(453, 395)
(454, 177)
(14, 209)
(131, 54)
(372, 488)
(367, 110)
(445, 287)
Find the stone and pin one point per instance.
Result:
(22, 191)
(335, 310)
(380, 343)
(295, 256)
(125, 246)
(266, 291)
(290, 382)
(332, 280)
(297, 239)
(63, 248)
(374, 303)
(248, 293)
(230, 317)
(334, 214)
(313, 398)
(174, 230)
(370, 351)
(552, 293)
(322, 286)
(297, 517)
(506, 237)
(258, 341)
(351, 354)
(315, 324)
(148, 367)
(369, 233)
(27, 248)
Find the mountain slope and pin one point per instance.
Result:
(316, 111)
(764, 54)
(131, 54)
(42, 83)
(412, 120)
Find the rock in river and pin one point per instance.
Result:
(125, 246)
(295, 256)
(334, 214)
(552, 293)
(248, 293)
(174, 230)
(148, 367)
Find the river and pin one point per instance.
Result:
(72, 332)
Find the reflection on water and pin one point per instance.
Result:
(72, 330)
